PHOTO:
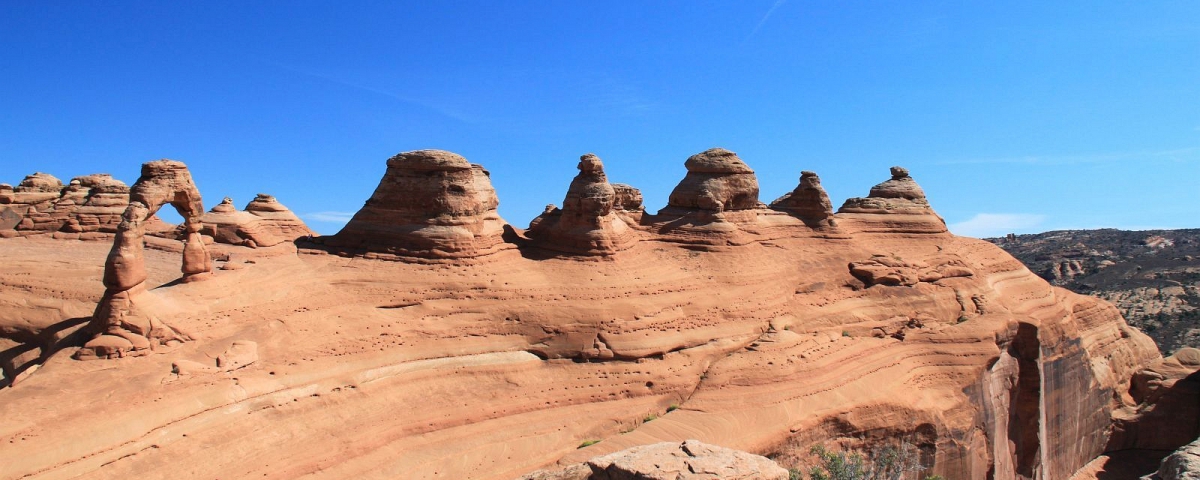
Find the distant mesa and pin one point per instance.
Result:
(590, 221)
(430, 204)
(808, 201)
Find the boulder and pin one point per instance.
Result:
(689, 460)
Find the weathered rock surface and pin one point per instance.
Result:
(121, 325)
(589, 222)
(1151, 276)
(897, 205)
(1184, 464)
(89, 205)
(690, 460)
(716, 181)
(808, 201)
(264, 223)
(767, 343)
(430, 204)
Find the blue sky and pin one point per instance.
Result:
(1014, 116)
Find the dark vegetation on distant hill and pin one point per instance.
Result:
(1153, 276)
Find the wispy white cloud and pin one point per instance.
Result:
(763, 21)
(996, 224)
(438, 108)
(1190, 154)
(329, 217)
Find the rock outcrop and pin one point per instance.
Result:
(120, 327)
(900, 194)
(264, 223)
(896, 205)
(1183, 464)
(40, 204)
(588, 222)
(687, 460)
(430, 204)
(770, 338)
(808, 201)
(717, 181)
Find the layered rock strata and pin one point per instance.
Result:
(717, 181)
(264, 223)
(896, 205)
(121, 327)
(430, 204)
(589, 222)
(515, 362)
(41, 204)
(808, 201)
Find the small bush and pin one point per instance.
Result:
(673, 407)
(889, 463)
(588, 443)
(650, 417)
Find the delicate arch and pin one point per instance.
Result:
(118, 328)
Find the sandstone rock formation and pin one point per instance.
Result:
(121, 327)
(430, 204)
(1183, 464)
(264, 223)
(716, 181)
(768, 343)
(896, 205)
(588, 223)
(900, 194)
(689, 460)
(808, 201)
(88, 205)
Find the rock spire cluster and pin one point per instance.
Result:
(588, 222)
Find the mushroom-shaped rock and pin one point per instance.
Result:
(808, 201)
(900, 194)
(588, 222)
(897, 205)
(430, 204)
(717, 181)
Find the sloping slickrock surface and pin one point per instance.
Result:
(370, 362)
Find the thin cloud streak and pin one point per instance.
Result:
(984, 225)
(329, 217)
(447, 112)
(758, 27)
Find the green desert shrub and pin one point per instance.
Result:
(889, 463)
